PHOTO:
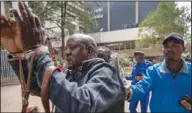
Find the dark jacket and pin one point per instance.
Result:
(97, 88)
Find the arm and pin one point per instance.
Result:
(101, 91)
(143, 87)
(132, 73)
(14, 62)
(95, 96)
(35, 85)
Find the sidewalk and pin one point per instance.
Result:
(11, 100)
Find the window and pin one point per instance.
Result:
(98, 16)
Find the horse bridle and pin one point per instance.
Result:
(25, 87)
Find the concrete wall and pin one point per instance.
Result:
(149, 52)
(116, 36)
(122, 36)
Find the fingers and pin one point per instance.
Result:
(186, 104)
(37, 22)
(4, 22)
(4, 27)
(23, 10)
(16, 15)
(30, 15)
(29, 12)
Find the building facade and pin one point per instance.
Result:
(120, 15)
(72, 21)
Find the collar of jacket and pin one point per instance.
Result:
(184, 69)
(87, 64)
(141, 63)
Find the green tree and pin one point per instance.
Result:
(166, 19)
(62, 14)
(44, 10)
(51, 11)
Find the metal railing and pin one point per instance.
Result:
(8, 76)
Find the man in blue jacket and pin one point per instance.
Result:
(138, 71)
(89, 84)
(169, 80)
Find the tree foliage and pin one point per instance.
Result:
(50, 11)
(63, 17)
(124, 60)
(166, 19)
(44, 10)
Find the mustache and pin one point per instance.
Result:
(170, 52)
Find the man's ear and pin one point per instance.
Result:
(184, 48)
(90, 50)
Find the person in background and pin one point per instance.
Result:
(138, 71)
(169, 80)
(106, 54)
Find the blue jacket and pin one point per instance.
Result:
(96, 89)
(139, 68)
(166, 89)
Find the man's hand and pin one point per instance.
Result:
(139, 77)
(10, 35)
(127, 91)
(22, 33)
(186, 104)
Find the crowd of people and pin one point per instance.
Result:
(91, 81)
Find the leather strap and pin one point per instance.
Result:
(45, 88)
(25, 85)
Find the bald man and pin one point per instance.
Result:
(88, 85)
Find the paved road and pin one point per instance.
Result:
(11, 100)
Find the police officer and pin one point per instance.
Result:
(138, 71)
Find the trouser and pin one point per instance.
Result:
(144, 105)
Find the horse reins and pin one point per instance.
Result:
(25, 87)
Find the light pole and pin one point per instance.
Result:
(101, 33)
(108, 15)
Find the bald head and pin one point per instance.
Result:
(85, 39)
(79, 47)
